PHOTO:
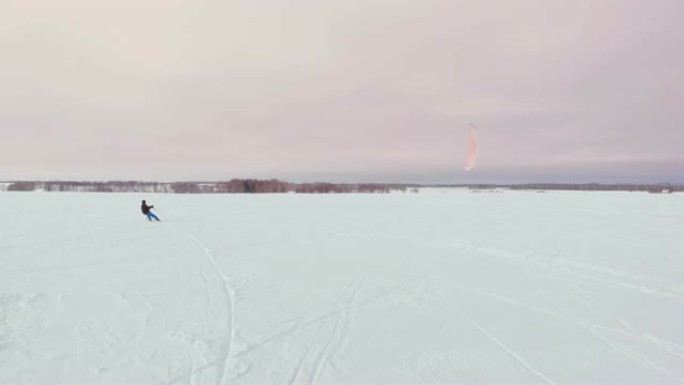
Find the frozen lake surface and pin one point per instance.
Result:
(429, 288)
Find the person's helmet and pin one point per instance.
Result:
(143, 201)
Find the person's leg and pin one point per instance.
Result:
(149, 216)
(154, 216)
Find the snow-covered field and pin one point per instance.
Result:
(429, 288)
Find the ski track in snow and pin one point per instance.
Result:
(620, 278)
(628, 328)
(510, 301)
(352, 304)
(301, 363)
(497, 341)
(638, 357)
(336, 332)
(226, 366)
(324, 317)
(170, 316)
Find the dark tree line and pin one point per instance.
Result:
(261, 186)
(234, 186)
(634, 187)
(660, 187)
(22, 186)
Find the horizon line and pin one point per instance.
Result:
(434, 184)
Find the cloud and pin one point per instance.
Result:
(151, 89)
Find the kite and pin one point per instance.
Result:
(471, 154)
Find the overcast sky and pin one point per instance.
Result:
(342, 90)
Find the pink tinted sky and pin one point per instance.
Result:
(572, 90)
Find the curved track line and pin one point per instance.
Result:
(636, 357)
(498, 342)
(629, 329)
(338, 331)
(226, 354)
(313, 321)
(306, 355)
(310, 348)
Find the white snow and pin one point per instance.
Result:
(458, 288)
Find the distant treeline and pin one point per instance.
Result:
(604, 187)
(654, 188)
(240, 186)
(248, 186)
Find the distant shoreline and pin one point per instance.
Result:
(262, 186)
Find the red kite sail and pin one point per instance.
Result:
(471, 155)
